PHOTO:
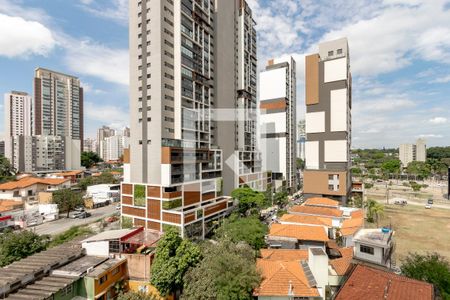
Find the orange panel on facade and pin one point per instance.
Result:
(312, 79)
(191, 198)
(127, 200)
(154, 209)
(172, 218)
(316, 182)
(189, 217)
(154, 191)
(171, 195)
(165, 155)
(154, 225)
(133, 211)
(208, 196)
(215, 208)
(273, 105)
(127, 189)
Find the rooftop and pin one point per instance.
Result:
(374, 237)
(6, 205)
(284, 254)
(70, 173)
(299, 232)
(306, 219)
(383, 285)
(110, 235)
(79, 266)
(316, 210)
(43, 289)
(318, 201)
(109, 264)
(342, 265)
(29, 181)
(147, 237)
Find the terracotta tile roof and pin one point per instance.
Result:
(316, 210)
(300, 232)
(357, 214)
(28, 181)
(342, 265)
(70, 173)
(372, 284)
(278, 276)
(6, 205)
(321, 202)
(305, 219)
(351, 226)
(284, 254)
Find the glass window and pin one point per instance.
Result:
(366, 249)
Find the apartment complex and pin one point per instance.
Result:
(90, 145)
(413, 152)
(301, 139)
(114, 146)
(328, 100)
(103, 133)
(235, 96)
(278, 94)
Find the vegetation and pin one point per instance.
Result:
(227, 271)
(281, 197)
(375, 210)
(431, 268)
(17, 245)
(127, 222)
(69, 235)
(419, 168)
(104, 178)
(250, 201)
(139, 195)
(243, 229)
(174, 257)
(7, 172)
(89, 159)
(392, 166)
(67, 200)
(137, 296)
(300, 164)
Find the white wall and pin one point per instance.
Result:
(335, 70)
(336, 151)
(375, 258)
(273, 123)
(312, 154)
(272, 84)
(338, 99)
(100, 248)
(315, 122)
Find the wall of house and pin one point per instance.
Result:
(146, 287)
(377, 256)
(100, 248)
(111, 279)
(138, 266)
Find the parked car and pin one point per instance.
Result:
(428, 206)
(118, 207)
(79, 209)
(80, 215)
(400, 202)
(430, 201)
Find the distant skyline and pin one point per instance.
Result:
(400, 57)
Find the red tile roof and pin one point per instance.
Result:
(305, 219)
(300, 232)
(28, 181)
(372, 284)
(284, 254)
(6, 205)
(283, 278)
(351, 226)
(318, 201)
(316, 210)
(342, 265)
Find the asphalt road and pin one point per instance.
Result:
(63, 224)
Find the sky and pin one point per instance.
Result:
(399, 52)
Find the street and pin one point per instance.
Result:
(63, 224)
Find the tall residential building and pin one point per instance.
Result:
(126, 132)
(278, 93)
(175, 164)
(115, 146)
(90, 145)
(301, 139)
(413, 152)
(18, 113)
(328, 121)
(235, 96)
(103, 133)
(58, 111)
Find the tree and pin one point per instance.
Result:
(174, 257)
(88, 159)
(300, 164)
(431, 268)
(7, 171)
(391, 166)
(374, 211)
(17, 245)
(418, 168)
(249, 200)
(243, 229)
(281, 197)
(131, 295)
(67, 200)
(104, 178)
(227, 271)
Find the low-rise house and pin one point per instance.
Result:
(74, 176)
(102, 194)
(369, 283)
(27, 189)
(287, 236)
(374, 246)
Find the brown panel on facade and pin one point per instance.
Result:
(270, 62)
(127, 200)
(127, 189)
(242, 179)
(312, 79)
(208, 196)
(153, 191)
(154, 209)
(215, 208)
(316, 182)
(191, 197)
(139, 222)
(126, 155)
(165, 155)
(273, 105)
(189, 217)
(171, 195)
(154, 225)
(37, 107)
(172, 218)
(133, 211)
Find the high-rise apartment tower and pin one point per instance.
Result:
(328, 121)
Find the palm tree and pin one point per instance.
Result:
(374, 210)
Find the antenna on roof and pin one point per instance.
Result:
(291, 290)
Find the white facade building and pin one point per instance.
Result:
(413, 152)
(114, 147)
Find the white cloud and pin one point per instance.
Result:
(431, 136)
(113, 115)
(116, 10)
(438, 120)
(88, 88)
(22, 38)
(443, 79)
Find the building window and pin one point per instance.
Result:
(339, 51)
(103, 279)
(67, 290)
(330, 53)
(333, 182)
(115, 271)
(366, 249)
